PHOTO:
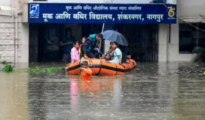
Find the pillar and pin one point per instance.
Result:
(163, 42)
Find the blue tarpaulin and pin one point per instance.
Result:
(102, 13)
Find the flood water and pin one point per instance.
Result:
(156, 91)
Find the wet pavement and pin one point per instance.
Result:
(156, 91)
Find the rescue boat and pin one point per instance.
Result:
(102, 67)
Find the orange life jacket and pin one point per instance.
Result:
(86, 74)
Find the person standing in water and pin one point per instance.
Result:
(86, 72)
(75, 53)
(67, 43)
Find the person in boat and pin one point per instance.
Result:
(75, 53)
(109, 55)
(125, 54)
(97, 51)
(83, 41)
(117, 53)
(86, 71)
(88, 48)
(67, 43)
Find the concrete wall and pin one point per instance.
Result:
(191, 7)
(163, 46)
(7, 42)
(173, 49)
(184, 8)
(5, 2)
(191, 11)
(12, 50)
(170, 51)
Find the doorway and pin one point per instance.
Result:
(142, 40)
(44, 39)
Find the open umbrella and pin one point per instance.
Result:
(115, 36)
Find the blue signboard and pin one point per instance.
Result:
(102, 13)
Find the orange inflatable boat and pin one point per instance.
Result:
(102, 67)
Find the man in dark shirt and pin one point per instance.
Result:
(90, 45)
(67, 43)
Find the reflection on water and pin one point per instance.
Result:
(14, 99)
(154, 92)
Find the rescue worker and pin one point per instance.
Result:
(86, 71)
(90, 45)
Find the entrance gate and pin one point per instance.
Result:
(143, 41)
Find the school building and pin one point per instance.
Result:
(30, 30)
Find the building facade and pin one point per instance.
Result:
(15, 32)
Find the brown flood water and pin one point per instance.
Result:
(156, 91)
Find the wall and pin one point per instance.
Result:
(174, 54)
(7, 42)
(167, 51)
(184, 8)
(163, 37)
(170, 51)
(8, 51)
(191, 7)
(5, 2)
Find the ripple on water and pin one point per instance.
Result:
(156, 91)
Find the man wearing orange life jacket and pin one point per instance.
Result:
(86, 71)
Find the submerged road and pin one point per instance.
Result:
(156, 91)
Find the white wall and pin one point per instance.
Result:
(5, 2)
(7, 34)
(163, 38)
(191, 7)
(190, 10)
(173, 52)
(170, 51)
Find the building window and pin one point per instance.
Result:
(191, 37)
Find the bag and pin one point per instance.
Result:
(111, 54)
